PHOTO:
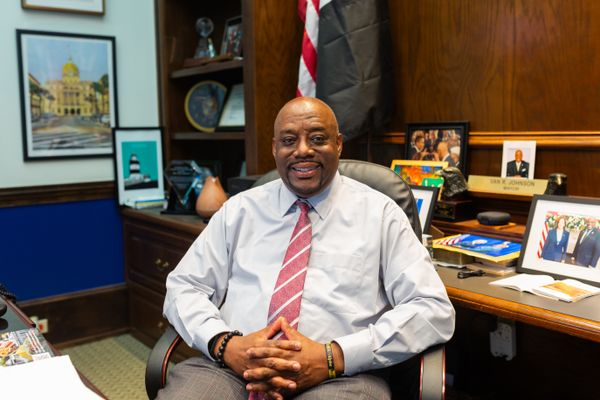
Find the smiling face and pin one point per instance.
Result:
(306, 145)
(518, 155)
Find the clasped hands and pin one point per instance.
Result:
(277, 367)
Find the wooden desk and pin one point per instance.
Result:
(581, 319)
(15, 320)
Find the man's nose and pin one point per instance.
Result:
(304, 148)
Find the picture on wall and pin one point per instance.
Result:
(562, 238)
(68, 94)
(74, 6)
(138, 165)
(438, 141)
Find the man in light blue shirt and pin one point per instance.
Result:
(371, 290)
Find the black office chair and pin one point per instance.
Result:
(421, 377)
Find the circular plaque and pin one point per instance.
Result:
(203, 105)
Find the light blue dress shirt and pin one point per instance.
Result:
(370, 284)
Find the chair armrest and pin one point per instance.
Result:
(156, 367)
(433, 373)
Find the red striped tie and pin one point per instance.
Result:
(287, 295)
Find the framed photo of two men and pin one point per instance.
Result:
(438, 141)
(562, 238)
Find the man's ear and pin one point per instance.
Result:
(339, 143)
(273, 147)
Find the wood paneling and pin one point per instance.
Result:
(49, 194)
(515, 69)
(82, 316)
(514, 65)
(272, 42)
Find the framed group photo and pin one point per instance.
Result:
(562, 238)
(232, 37)
(68, 94)
(438, 141)
(138, 161)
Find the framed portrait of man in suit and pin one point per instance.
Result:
(562, 238)
(518, 159)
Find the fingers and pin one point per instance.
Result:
(273, 395)
(275, 385)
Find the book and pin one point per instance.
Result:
(23, 346)
(569, 290)
(500, 252)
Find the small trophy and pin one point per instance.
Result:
(205, 48)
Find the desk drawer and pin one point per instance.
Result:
(147, 322)
(150, 255)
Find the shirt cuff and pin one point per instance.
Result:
(358, 356)
(209, 329)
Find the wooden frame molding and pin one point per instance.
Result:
(50, 194)
(82, 316)
(555, 139)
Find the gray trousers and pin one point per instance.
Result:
(200, 379)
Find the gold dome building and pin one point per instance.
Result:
(72, 96)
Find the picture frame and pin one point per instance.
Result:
(518, 159)
(419, 173)
(138, 165)
(94, 7)
(68, 94)
(572, 253)
(232, 37)
(233, 116)
(425, 198)
(422, 142)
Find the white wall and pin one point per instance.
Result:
(131, 22)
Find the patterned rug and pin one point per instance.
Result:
(116, 366)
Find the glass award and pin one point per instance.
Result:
(185, 179)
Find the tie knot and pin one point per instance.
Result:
(304, 206)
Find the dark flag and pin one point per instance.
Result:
(354, 64)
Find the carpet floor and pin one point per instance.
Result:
(115, 365)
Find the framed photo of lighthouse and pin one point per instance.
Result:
(68, 94)
(138, 160)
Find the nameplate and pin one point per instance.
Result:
(516, 186)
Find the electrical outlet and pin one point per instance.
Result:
(42, 325)
(503, 341)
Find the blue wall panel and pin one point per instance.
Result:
(60, 248)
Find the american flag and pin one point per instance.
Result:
(449, 241)
(308, 10)
(545, 229)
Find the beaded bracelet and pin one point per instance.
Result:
(219, 356)
(330, 365)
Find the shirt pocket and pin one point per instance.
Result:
(334, 282)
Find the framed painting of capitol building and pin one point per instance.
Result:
(68, 94)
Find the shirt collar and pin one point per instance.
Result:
(321, 203)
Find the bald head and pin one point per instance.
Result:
(518, 155)
(306, 145)
(300, 105)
